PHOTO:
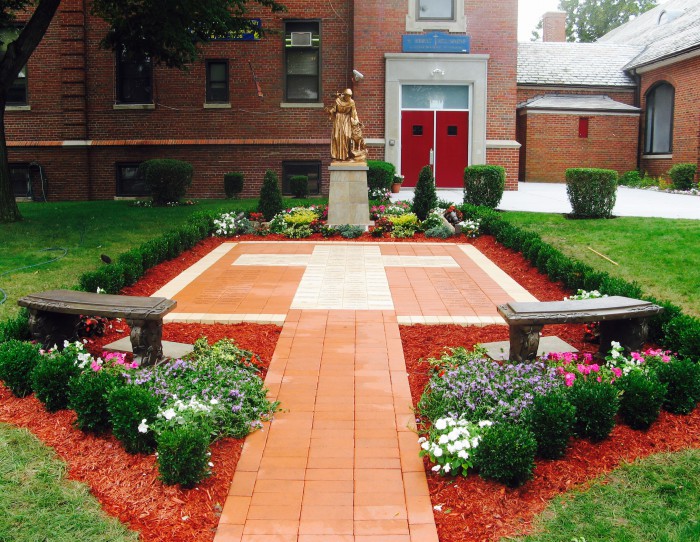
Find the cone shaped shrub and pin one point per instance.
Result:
(424, 195)
(270, 202)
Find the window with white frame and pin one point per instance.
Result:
(658, 134)
(435, 15)
(302, 61)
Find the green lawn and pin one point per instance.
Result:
(85, 230)
(39, 504)
(655, 499)
(662, 255)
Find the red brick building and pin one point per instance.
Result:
(628, 101)
(435, 83)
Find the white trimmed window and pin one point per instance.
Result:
(435, 15)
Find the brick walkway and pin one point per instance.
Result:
(340, 462)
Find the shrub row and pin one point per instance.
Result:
(131, 265)
(671, 329)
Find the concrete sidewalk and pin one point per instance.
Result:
(552, 198)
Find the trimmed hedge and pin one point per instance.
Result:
(671, 329)
(683, 176)
(167, 180)
(592, 192)
(233, 184)
(380, 175)
(484, 185)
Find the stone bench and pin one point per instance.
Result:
(55, 314)
(622, 319)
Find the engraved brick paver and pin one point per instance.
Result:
(340, 462)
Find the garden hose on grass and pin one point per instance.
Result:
(65, 251)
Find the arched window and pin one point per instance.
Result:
(659, 120)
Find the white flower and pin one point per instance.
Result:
(437, 507)
(447, 467)
(441, 424)
(210, 464)
(143, 426)
(101, 290)
(453, 435)
(485, 423)
(463, 454)
(425, 445)
(169, 414)
(436, 468)
(66, 344)
(437, 452)
(214, 402)
(444, 439)
(475, 442)
(422, 440)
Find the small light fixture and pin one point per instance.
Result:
(357, 76)
(438, 72)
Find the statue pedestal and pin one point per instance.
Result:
(347, 198)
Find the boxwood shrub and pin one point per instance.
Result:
(128, 406)
(166, 179)
(592, 192)
(484, 185)
(50, 379)
(506, 454)
(233, 184)
(87, 396)
(683, 176)
(551, 419)
(15, 327)
(299, 186)
(682, 379)
(380, 175)
(596, 405)
(17, 361)
(641, 398)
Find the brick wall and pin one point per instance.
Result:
(553, 144)
(684, 77)
(79, 103)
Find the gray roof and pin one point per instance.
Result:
(676, 32)
(575, 102)
(577, 64)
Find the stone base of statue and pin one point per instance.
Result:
(347, 198)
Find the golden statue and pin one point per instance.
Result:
(347, 143)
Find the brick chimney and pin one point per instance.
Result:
(554, 26)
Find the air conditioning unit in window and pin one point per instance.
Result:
(301, 39)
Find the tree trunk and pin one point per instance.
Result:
(9, 212)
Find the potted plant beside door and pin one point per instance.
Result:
(396, 184)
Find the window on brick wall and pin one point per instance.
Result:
(658, 134)
(17, 93)
(583, 127)
(129, 182)
(435, 10)
(311, 169)
(302, 61)
(21, 180)
(217, 81)
(134, 78)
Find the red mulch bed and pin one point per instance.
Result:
(128, 488)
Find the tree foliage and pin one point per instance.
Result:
(170, 32)
(588, 20)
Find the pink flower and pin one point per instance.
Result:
(599, 379)
(95, 366)
(560, 370)
(569, 379)
(617, 372)
(584, 370)
(595, 368)
(134, 365)
(587, 357)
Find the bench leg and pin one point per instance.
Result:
(52, 328)
(524, 341)
(631, 333)
(146, 340)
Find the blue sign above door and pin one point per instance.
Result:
(435, 42)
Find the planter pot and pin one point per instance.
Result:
(395, 188)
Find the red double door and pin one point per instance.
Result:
(437, 138)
